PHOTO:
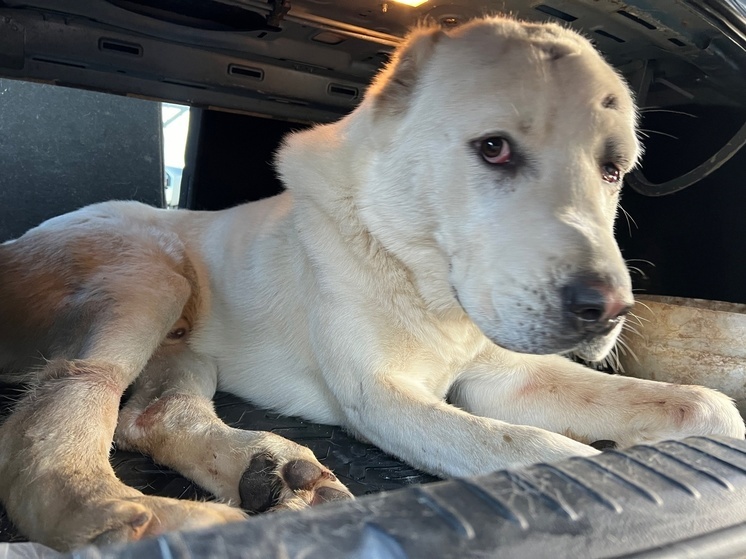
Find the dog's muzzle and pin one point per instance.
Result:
(592, 307)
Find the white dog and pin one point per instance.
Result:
(434, 253)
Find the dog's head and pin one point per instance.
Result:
(491, 165)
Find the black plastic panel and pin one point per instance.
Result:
(61, 149)
(677, 499)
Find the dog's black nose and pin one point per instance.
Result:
(593, 306)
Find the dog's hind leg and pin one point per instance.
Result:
(171, 418)
(55, 478)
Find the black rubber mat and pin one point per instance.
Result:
(363, 468)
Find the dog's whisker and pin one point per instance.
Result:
(629, 325)
(633, 330)
(611, 361)
(639, 319)
(635, 315)
(660, 133)
(642, 260)
(629, 350)
(632, 317)
(670, 111)
(630, 220)
(643, 304)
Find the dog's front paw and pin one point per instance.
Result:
(287, 477)
(712, 413)
(130, 518)
(678, 411)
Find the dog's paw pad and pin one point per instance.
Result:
(259, 486)
(329, 494)
(271, 483)
(313, 483)
(302, 474)
(604, 445)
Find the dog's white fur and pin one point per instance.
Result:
(401, 287)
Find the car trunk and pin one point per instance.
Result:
(252, 71)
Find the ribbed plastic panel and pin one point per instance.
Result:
(674, 499)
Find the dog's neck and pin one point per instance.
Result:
(334, 179)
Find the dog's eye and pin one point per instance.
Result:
(495, 150)
(610, 173)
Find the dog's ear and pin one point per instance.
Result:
(554, 50)
(394, 85)
(551, 41)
